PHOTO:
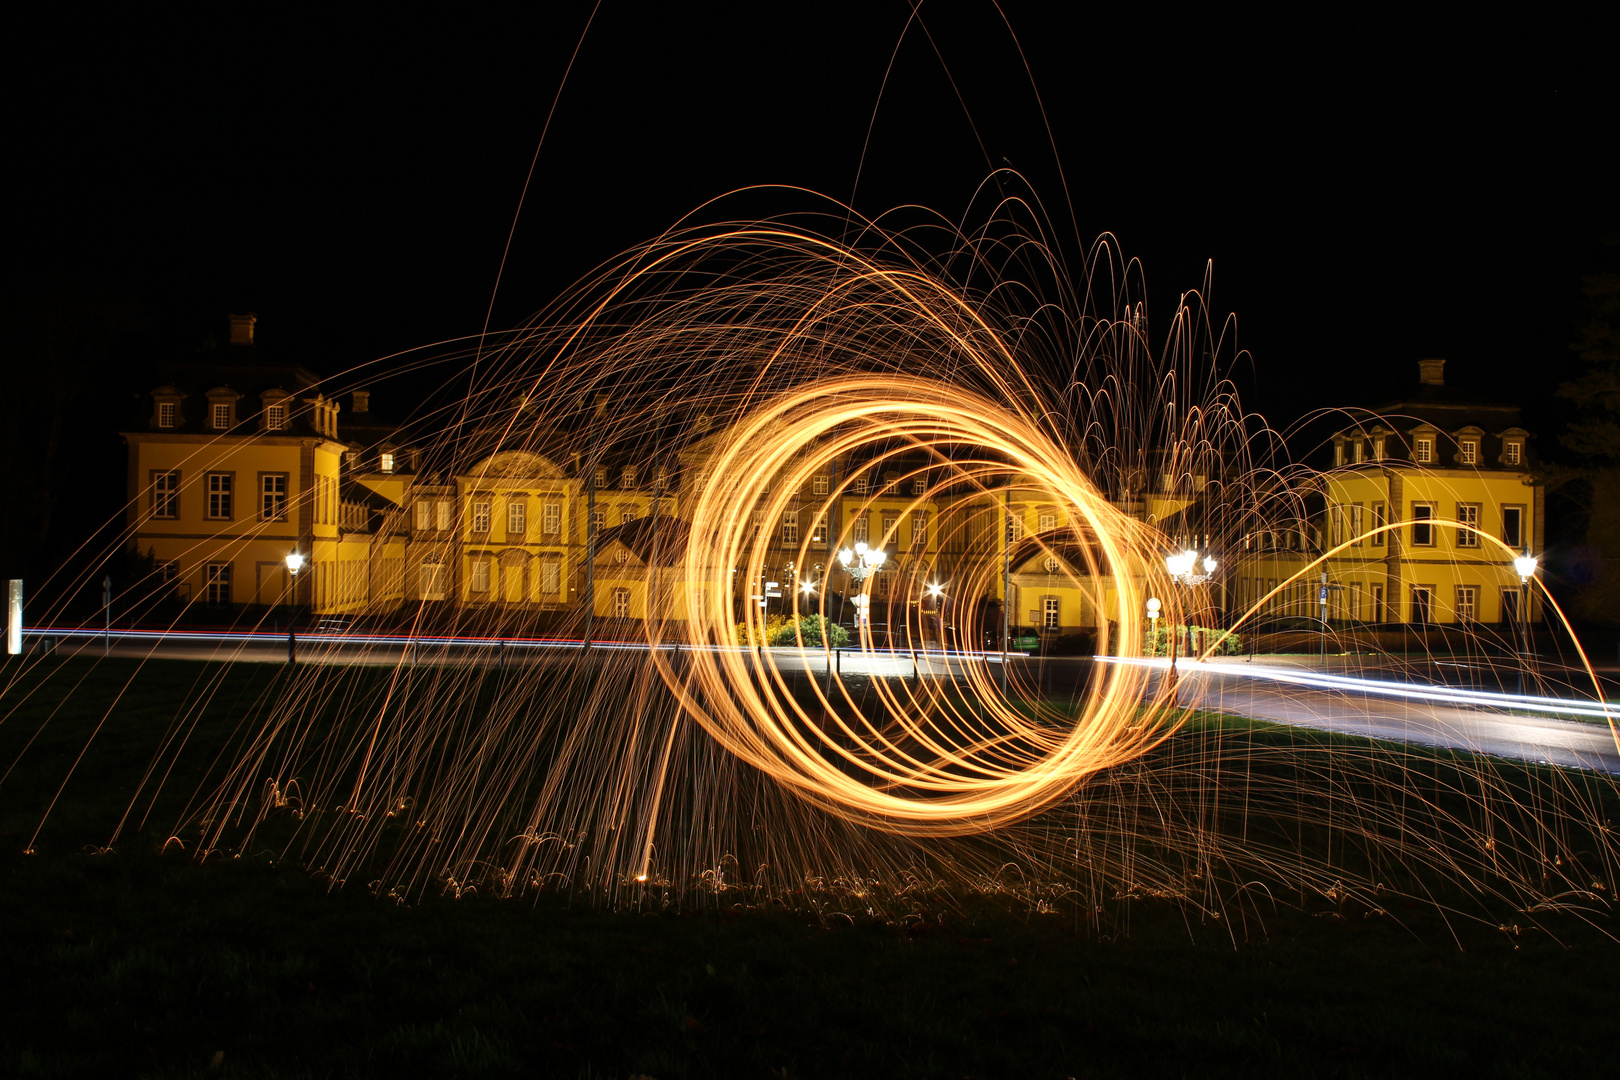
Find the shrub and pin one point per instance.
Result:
(809, 631)
(1225, 643)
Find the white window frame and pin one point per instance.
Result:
(919, 485)
(424, 516)
(1422, 518)
(1051, 613)
(1468, 450)
(480, 574)
(517, 517)
(1378, 448)
(444, 516)
(550, 577)
(1423, 450)
(859, 485)
(1517, 541)
(819, 484)
(385, 461)
(217, 583)
(166, 494)
(551, 519)
(221, 496)
(790, 526)
(621, 603)
(273, 496)
(627, 477)
(1048, 522)
(919, 530)
(1356, 521)
(1468, 514)
(432, 579)
(275, 417)
(222, 414)
(860, 529)
(1467, 603)
(480, 516)
(1512, 452)
(168, 413)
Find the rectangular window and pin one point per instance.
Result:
(1423, 451)
(166, 494)
(627, 477)
(919, 530)
(385, 461)
(1468, 514)
(552, 519)
(424, 516)
(889, 537)
(1378, 449)
(1335, 525)
(273, 497)
(1422, 604)
(1357, 447)
(217, 582)
(919, 485)
(222, 415)
(860, 529)
(480, 575)
(818, 485)
(1355, 600)
(790, 526)
(168, 411)
(818, 531)
(517, 517)
(1513, 526)
(1468, 450)
(1050, 612)
(627, 515)
(1422, 531)
(432, 579)
(1356, 522)
(1511, 453)
(1467, 603)
(860, 485)
(1378, 603)
(661, 480)
(1048, 522)
(219, 495)
(550, 578)
(1338, 454)
(1378, 523)
(598, 520)
(444, 516)
(601, 479)
(480, 522)
(275, 417)
(621, 603)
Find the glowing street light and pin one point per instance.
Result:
(862, 562)
(1525, 565)
(1184, 568)
(295, 563)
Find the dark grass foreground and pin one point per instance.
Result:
(133, 963)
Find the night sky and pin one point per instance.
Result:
(1368, 192)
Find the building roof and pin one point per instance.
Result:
(668, 536)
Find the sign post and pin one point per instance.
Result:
(14, 617)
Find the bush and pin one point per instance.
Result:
(773, 625)
(808, 629)
(1224, 642)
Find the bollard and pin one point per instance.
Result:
(292, 645)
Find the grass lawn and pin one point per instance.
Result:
(137, 963)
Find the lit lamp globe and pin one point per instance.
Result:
(295, 563)
(1526, 566)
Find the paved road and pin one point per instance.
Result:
(1227, 686)
(1501, 733)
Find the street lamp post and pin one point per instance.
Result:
(295, 563)
(860, 564)
(1526, 566)
(1184, 568)
(936, 592)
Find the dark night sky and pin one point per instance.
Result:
(1368, 193)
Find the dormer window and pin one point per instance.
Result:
(1468, 451)
(385, 461)
(1423, 450)
(1512, 452)
(168, 413)
(1378, 448)
(1338, 459)
(663, 479)
(627, 477)
(221, 413)
(919, 485)
(601, 478)
(860, 485)
(275, 417)
(1356, 451)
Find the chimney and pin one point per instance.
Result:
(362, 401)
(242, 328)
(1432, 372)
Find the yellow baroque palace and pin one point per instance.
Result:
(241, 461)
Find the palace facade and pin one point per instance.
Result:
(241, 461)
